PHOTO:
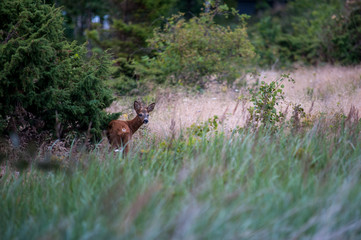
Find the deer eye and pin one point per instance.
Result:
(140, 114)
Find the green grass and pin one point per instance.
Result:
(247, 186)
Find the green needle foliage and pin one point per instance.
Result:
(44, 77)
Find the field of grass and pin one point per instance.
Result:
(325, 89)
(247, 185)
(182, 183)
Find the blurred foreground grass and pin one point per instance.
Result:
(263, 185)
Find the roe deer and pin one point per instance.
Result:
(120, 132)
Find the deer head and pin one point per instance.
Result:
(143, 113)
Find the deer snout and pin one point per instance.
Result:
(145, 120)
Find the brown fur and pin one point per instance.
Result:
(120, 132)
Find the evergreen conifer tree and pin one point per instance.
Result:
(44, 77)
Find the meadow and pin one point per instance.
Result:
(319, 90)
(190, 178)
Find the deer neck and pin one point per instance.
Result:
(135, 124)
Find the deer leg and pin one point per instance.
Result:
(117, 143)
(126, 142)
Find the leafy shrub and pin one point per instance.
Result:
(186, 52)
(46, 77)
(265, 98)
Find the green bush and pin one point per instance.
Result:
(44, 77)
(265, 112)
(187, 52)
(343, 36)
(309, 32)
(265, 99)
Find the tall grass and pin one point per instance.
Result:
(261, 185)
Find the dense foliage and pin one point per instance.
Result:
(310, 32)
(44, 78)
(122, 25)
(187, 52)
(302, 31)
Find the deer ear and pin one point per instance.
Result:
(137, 106)
(150, 107)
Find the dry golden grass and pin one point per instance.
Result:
(329, 88)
